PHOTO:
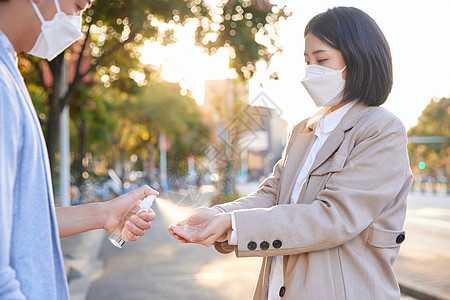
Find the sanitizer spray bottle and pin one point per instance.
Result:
(119, 236)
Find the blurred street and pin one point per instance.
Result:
(423, 267)
(159, 267)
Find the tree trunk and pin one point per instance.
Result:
(78, 161)
(60, 86)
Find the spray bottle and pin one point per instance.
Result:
(119, 236)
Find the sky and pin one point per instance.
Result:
(418, 33)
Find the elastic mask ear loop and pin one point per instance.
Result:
(38, 12)
(343, 69)
(57, 6)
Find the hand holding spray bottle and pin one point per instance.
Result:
(119, 236)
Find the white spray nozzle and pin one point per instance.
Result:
(148, 201)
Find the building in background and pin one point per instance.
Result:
(268, 132)
(247, 139)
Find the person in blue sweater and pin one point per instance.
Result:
(31, 262)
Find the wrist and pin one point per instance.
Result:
(103, 214)
(218, 209)
(227, 221)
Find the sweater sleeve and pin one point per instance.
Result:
(9, 149)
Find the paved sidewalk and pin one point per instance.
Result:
(81, 261)
(422, 275)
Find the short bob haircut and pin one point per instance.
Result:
(365, 51)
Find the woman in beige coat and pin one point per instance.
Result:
(329, 220)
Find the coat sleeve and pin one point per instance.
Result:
(9, 148)
(375, 171)
(264, 197)
(267, 193)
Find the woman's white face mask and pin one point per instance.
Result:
(57, 34)
(324, 85)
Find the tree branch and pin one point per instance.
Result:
(106, 53)
(79, 76)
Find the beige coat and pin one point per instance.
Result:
(341, 238)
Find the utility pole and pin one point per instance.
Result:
(163, 161)
(64, 141)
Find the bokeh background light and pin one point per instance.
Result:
(418, 34)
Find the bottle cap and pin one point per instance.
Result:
(148, 201)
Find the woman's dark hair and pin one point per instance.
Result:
(364, 48)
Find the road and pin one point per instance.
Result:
(424, 260)
(428, 223)
(159, 267)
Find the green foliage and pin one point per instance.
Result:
(116, 30)
(434, 121)
(159, 108)
(123, 26)
(90, 112)
(31, 69)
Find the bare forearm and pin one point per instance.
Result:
(80, 218)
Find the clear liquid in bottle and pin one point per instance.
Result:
(119, 236)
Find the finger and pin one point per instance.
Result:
(209, 240)
(140, 223)
(170, 230)
(185, 232)
(184, 241)
(181, 232)
(134, 229)
(223, 238)
(131, 237)
(181, 223)
(148, 216)
(177, 237)
(148, 190)
(142, 191)
(174, 234)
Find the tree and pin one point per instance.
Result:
(117, 125)
(91, 127)
(434, 121)
(115, 29)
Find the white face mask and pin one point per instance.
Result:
(324, 85)
(57, 34)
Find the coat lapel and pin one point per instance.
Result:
(294, 161)
(337, 136)
(329, 147)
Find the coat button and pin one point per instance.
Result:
(282, 291)
(264, 245)
(400, 238)
(251, 246)
(276, 244)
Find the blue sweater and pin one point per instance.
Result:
(31, 263)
